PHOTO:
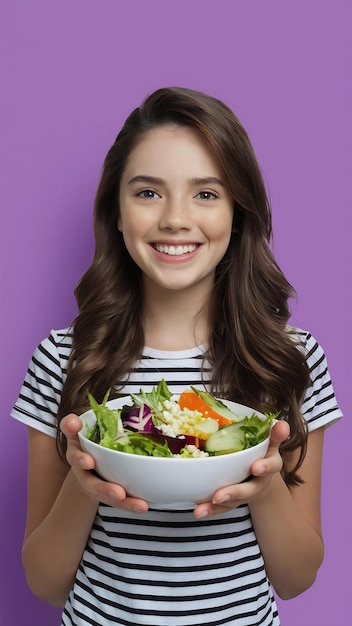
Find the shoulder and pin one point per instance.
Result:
(305, 341)
(40, 394)
(54, 349)
(319, 406)
(58, 340)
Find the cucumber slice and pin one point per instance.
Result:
(206, 428)
(217, 405)
(229, 438)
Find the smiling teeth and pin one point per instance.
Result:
(175, 250)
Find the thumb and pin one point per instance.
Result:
(70, 425)
(280, 432)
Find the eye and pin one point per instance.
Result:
(147, 194)
(206, 195)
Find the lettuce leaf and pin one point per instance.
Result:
(154, 398)
(137, 443)
(109, 424)
(110, 433)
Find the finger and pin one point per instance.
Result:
(268, 466)
(208, 509)
(134, 504)
(234, 494)
(279, 432)
(99, 489)
(70, 425)
(110, 493)
(272, 462)
(77, 458)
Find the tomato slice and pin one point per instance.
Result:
(189, 400)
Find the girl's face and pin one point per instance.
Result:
(175, 213)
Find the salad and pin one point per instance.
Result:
(195, 425)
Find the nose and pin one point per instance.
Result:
(176, 215)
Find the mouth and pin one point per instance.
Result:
(177, 250)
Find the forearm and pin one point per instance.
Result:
(292, 549)
(52, 552)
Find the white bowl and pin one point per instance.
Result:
(171, 482)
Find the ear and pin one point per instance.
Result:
(119, 224)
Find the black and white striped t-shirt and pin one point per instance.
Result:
(164, 567)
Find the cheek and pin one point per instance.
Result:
(220, 228)
(221, 234)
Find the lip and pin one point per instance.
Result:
(173, 242)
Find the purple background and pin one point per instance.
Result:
(72, 71)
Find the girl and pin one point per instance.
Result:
(183, 286)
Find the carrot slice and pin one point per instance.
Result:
(189, 400)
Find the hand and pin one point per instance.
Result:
(93, 486)
(262, 471)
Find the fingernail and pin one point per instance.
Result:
(202, 514)
(224, 499)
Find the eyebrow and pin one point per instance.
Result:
(207, 180)
(153, 180)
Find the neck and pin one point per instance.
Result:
(175, 320)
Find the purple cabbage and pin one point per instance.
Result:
(140, 419)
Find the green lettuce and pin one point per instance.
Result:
(108, 430)
(154, 399)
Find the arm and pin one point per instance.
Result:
(62, 505)
(288, 528)
(59, 518)
(286, 520)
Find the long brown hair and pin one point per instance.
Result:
(255, 360)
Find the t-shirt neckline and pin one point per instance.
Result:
(175, 354)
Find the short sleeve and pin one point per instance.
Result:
(319, 407)
(38, 402)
